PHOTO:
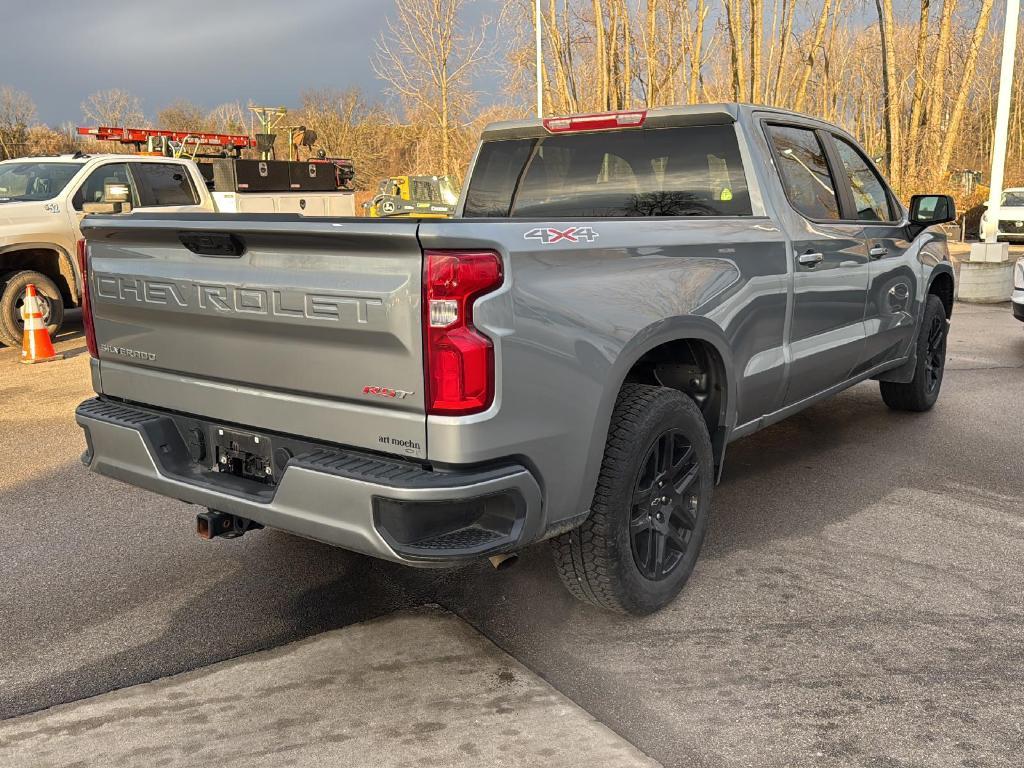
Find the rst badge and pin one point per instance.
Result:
(397, 394)
(551, 235)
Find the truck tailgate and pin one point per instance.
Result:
(313, 329)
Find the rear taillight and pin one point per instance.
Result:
(600, 122)
(458, 359)
(83, 267)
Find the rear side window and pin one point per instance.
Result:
(804, 171)
(687, 171)
(869, 195)
(163, 184)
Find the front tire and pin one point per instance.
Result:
(650, 512)
(11, 299)
(921, 392)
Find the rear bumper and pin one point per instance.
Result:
(384, 507)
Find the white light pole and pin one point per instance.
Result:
(540, 60)
(1002, 119)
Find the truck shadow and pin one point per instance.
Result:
(70, 333)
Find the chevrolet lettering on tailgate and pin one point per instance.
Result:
(234, 299)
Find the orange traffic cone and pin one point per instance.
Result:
(36, 346)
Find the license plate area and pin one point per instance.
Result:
(244, 454)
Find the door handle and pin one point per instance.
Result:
(810, 259)
(878, 252)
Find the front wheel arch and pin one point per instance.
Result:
(48, 259)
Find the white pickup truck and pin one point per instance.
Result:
(43, 201)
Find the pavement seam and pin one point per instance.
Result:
(540, 674)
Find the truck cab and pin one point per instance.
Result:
(42, 203)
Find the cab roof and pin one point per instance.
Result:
(661, 117)
(85, 158)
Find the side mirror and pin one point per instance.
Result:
(116, 199)
(927, 210)
(116, 192)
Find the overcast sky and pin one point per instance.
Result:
(205, 51)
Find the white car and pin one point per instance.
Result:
(1009, 217)
(1017, 298)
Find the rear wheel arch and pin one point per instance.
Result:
(670, 340)
(694, 367)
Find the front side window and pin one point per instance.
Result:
(20, 181)
(804, 171)
(869, 196)
(91, 190)
(164, 184)
(685, 171)
(1013, 198)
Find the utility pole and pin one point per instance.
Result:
(1002, 118)
(540, 59)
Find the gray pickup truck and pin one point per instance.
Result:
(618, 298)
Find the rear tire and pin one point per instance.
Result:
(12, 297)
(921, 392)
(650, 512)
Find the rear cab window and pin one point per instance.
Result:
(804, 171)
(683, 171)
(164, 184)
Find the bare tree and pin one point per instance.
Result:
(890, 94)
(43, 140)
(227, 118)
(952, 131)
(182, 115)
(115, 108)
(735, 25)
(812, 55)
(921, 87)
(428, 59)
(17, 113)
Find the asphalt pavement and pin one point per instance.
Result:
(859, 600)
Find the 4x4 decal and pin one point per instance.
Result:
(550, 235)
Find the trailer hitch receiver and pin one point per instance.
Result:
(211, 524)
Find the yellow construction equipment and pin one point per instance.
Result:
(431, 197)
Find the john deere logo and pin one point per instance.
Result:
(388, 206)
(264, 171)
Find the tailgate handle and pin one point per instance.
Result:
(217, 244)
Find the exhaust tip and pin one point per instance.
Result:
(505, 561)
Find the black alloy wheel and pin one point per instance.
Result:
(935, 353)
(664, 505)
(651, 507)
(920, 392)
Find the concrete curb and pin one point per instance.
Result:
(416, 688)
